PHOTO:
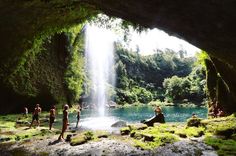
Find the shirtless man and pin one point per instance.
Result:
(157, 110)
(52, 116)
(65, 122)
(37, 111)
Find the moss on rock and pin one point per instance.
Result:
(82, 138)
(194, 122)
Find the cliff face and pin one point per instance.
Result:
(33, 59)
(39, 80)
(210, 25)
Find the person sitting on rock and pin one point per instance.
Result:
(213, 111)
(52, 116)
(221, 113)
(65, 122)
(36, 112)
(159, 117)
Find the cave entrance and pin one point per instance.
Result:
(152, 68)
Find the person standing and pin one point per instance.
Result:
(36, 112)
(25, 113)
(65, 122)
(78, 116)
(52, 116)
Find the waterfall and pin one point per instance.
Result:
(99, 53)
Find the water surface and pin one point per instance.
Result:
(133, 114)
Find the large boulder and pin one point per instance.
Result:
(119, 124)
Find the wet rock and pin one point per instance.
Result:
(186, 148)
(78, 140)
(138, 136)
(148, 137)
(125, 131)
(182, 135)
(22, 122)
(138, 126)
(68, 137)
(132, 133)
(103, 136)
(4, 139)
(119, 124)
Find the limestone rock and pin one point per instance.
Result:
(119, 124)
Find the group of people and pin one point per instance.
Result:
(215, 110)
(52, 116)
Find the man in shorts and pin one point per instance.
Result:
(52, 116)
(36, 112)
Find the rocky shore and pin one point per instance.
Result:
(197, 137)
(106, 146)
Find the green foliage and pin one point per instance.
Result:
(143, 95)
(89, 135)
(201, 57)
(176, 87)
(191, 87)
(190, 131)
(223, 147)
(125, 97)
(225, 126)
(153, 137)
(82, 138)
(75, 74)
(140, 77)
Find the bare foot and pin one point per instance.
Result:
(61, 139)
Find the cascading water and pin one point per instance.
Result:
(99, 64)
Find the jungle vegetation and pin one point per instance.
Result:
(166, 76)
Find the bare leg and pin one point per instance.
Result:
(50, 126)
(31, 123)
(61, 137)
(77, 124)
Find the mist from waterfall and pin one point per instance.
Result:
(99, 53)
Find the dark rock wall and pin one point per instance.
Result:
(219, 84)
(211, 79)
(39, 80)
(28, 74)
